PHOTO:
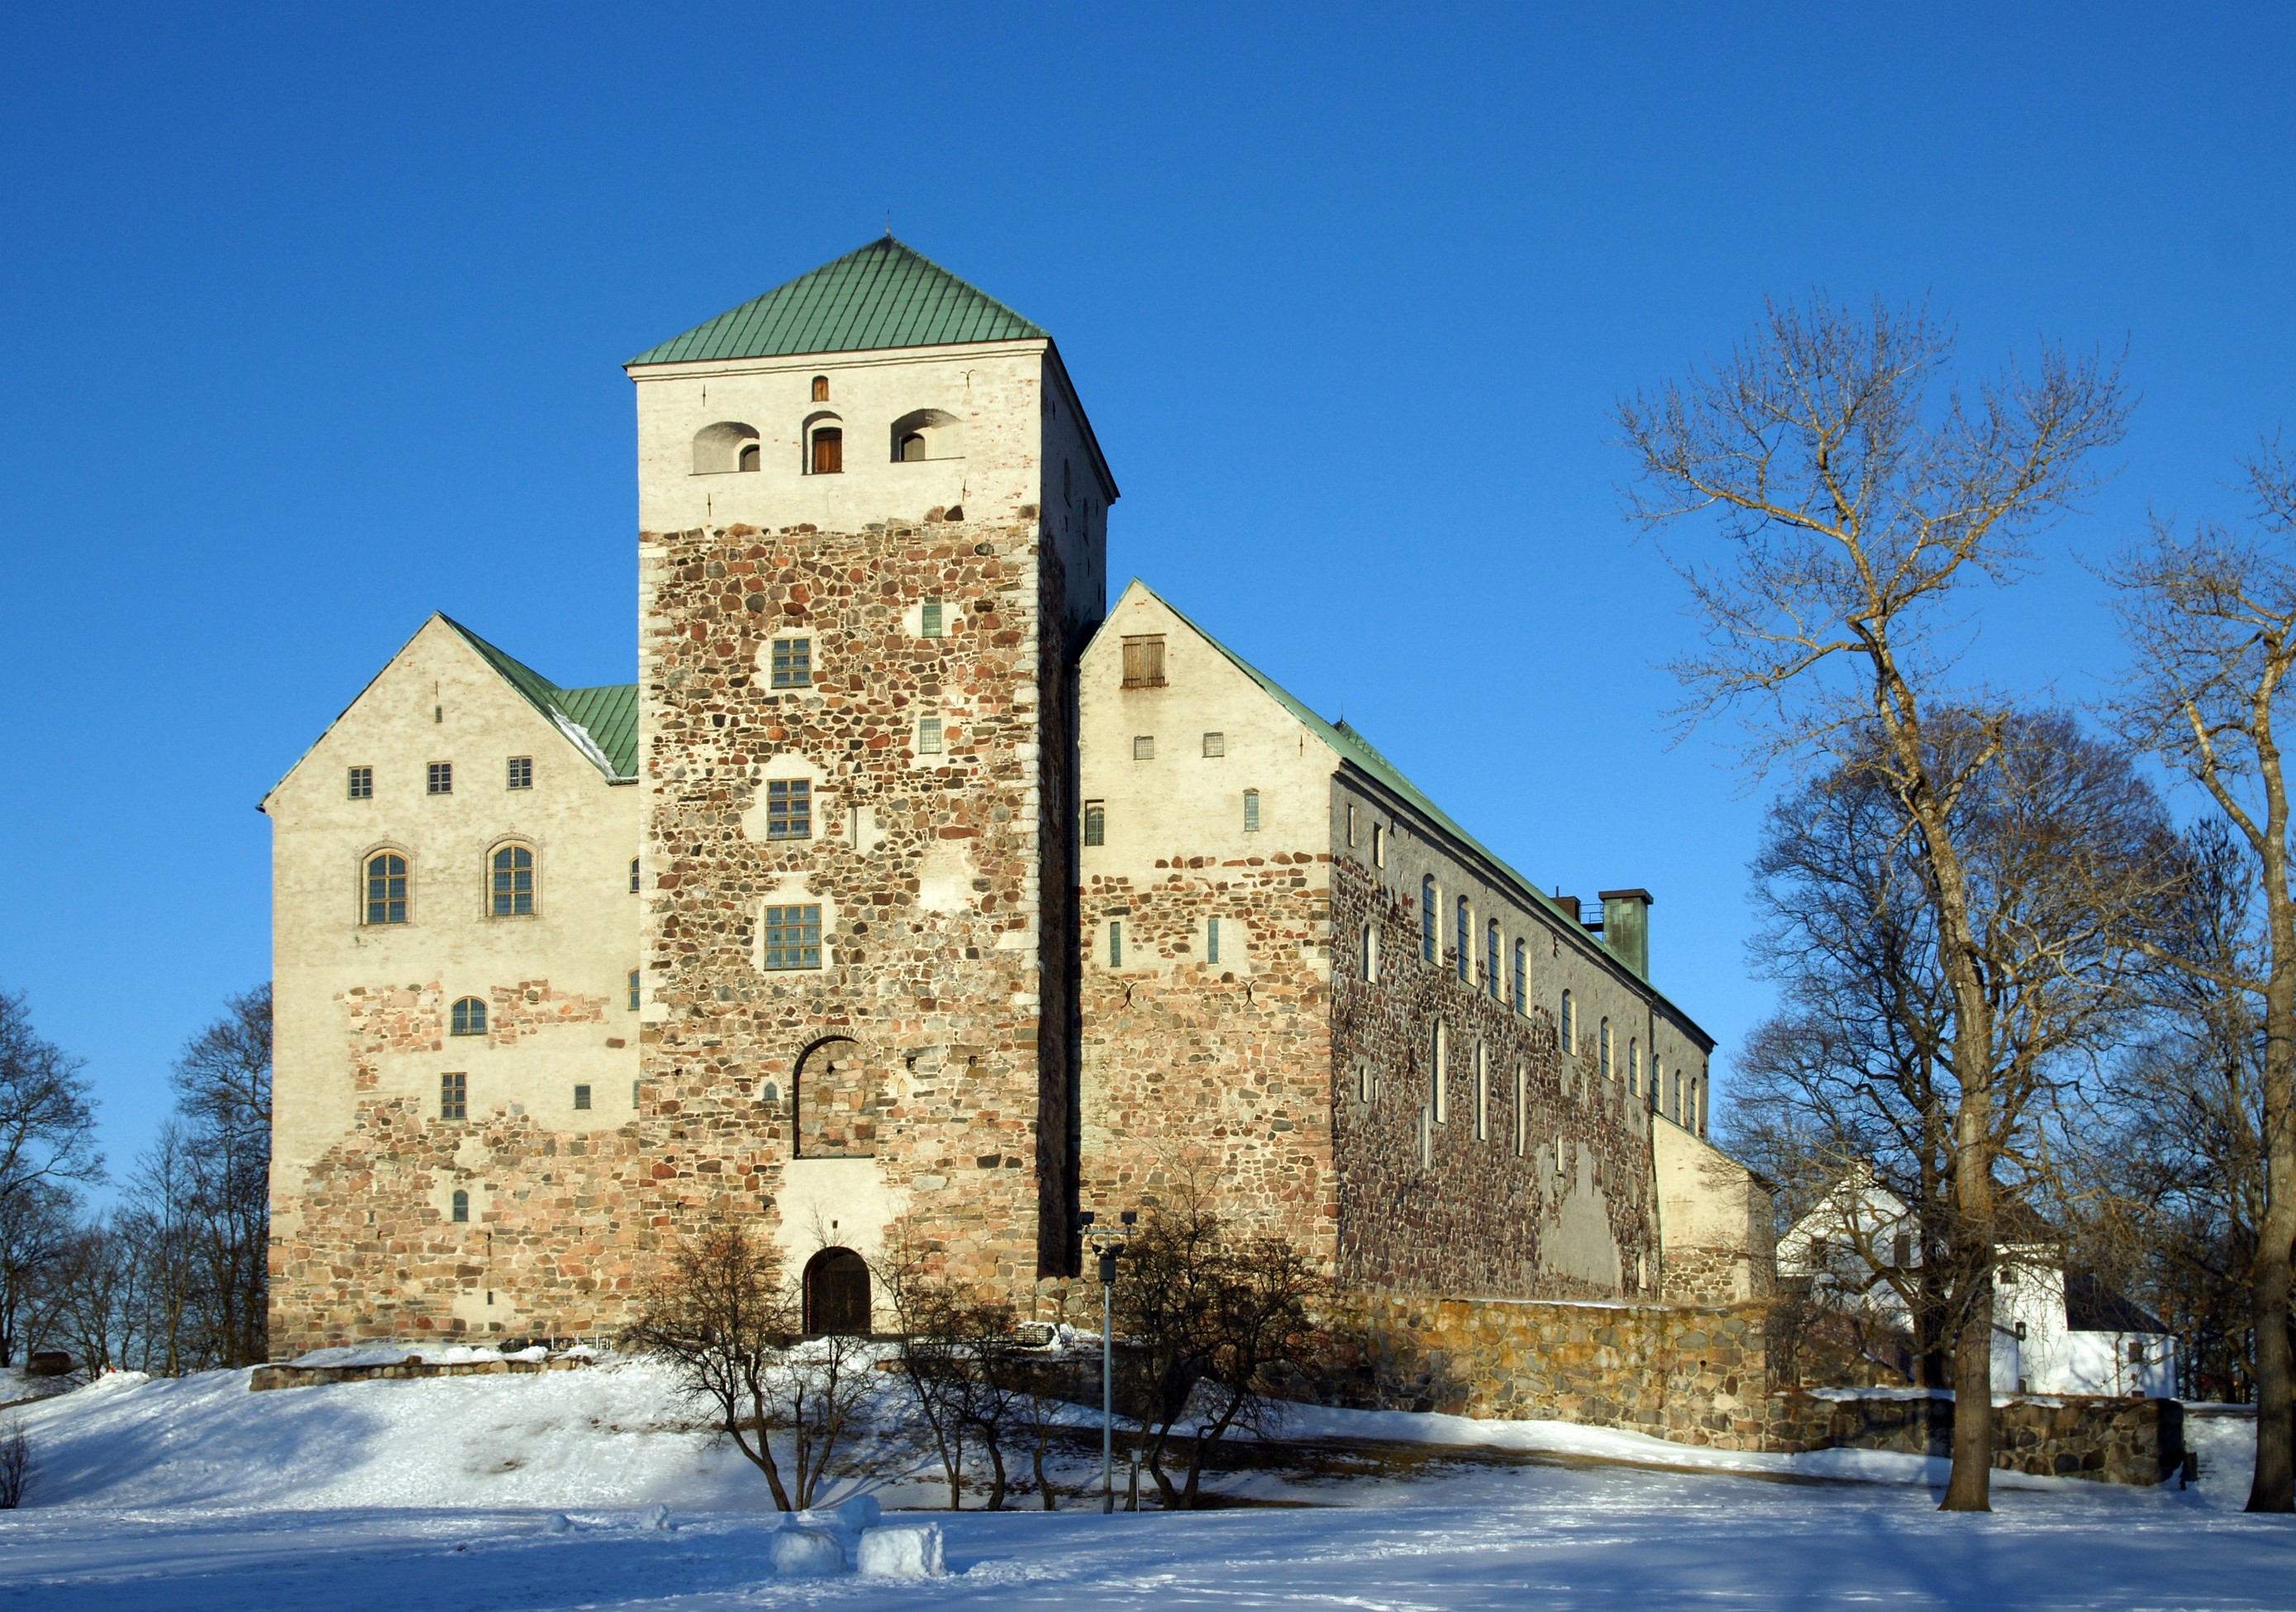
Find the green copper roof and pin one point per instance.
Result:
(884, 295)
(602, 723)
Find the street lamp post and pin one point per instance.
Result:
(1108, 1242)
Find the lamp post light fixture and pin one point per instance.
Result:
(1108, 1242)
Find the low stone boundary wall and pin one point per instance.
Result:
(1698, 1374)
(413, 1366)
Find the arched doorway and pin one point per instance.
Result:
(836, 1293)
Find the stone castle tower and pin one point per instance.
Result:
(872, 546)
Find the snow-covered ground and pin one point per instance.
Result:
(541, 1492)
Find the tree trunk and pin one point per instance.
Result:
(1970, 1488)
(996, 1468)
(2275, 1485)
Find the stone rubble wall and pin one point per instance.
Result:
(2116, 1441)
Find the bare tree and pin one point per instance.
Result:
(2212, 618)
(223, 1098)
(35, 1228)
(17, 1465)
(1854, 510)
(47, 1117)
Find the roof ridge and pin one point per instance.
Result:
(613, 752)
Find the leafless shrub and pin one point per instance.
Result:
(16, 1466)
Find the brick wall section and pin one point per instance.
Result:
(1478, 1217)
(555, 1218)
(1208, 1078)
(948, 1004)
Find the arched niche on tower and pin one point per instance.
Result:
(927, 433)
(726, 446)
(838, 1095)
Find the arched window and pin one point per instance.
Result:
(1603, 1050)
(836, 1293)
(821, 388)
(1466, 960)
(1567, 1026)
(469, 1016)
(1523, 976)
(1427, 918)
(728, 445)
(386, 888)
(462, 1207)
(1370, 953)
(927, 433)
(1491, 959)
(513, 883)
(1438, 1066)
(828, 451)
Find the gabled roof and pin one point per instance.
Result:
(884, 295)
(1356, 750)
(602, 722)
(2091, 1306)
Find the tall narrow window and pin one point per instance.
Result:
(828, 450)
(362, 782)
(522, 772)
(933, 620)
(1465, 956)
(633, 991)
(634, 875)
(1370, 953)
(1491, 960)
(440, 778)
(1438, 1052)
(1522, 1110)
(1603, 1050)
(794, 937)
(1143, 660)
(1216, 747)
(1567, 1026)
(1427, 919)
(1116, 943)
(1096, 823)
(513, 882)
(1658, 1069)
(1634, 1062)
(1351, 818)
(929, 736)
(1523, 976)
(1378, 846)
(1482, 1093)
(453, 1097)
(789, 808)
(1252, 812)
(1211, 940)
(792, 662)
(461, 1211)
(386, 888)
(468, 1017)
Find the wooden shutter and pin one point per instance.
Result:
(828, 452)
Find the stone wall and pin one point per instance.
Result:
(1548, 1199)
(2116, 1441)
(929, 870)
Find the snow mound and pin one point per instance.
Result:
(807, 1553)
(907, 1553)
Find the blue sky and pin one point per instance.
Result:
(312, 321)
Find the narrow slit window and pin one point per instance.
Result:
(1463, 958)
(789, 808)
(453, 1097)
(792, 662)
(1603, 1050)
(1439, 1062)
(1252, 812)
(1378, 846)
(1634, 1062)
(1211, 940)
(932, 625)
(1523, 976)
(1096, 823)
(1370, 953)
(1522, 1110)
(461, 1211)
(1567, 1026)
(1427, 919)
(1116, 943)
(633, 991)
(1351, 822)
(362, 782)
(929, 736)
(1482, 1094)
(634, 875)
(794, 937)
(1491, 960)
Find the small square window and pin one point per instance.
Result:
(522, 772)
(929, 736)
(1144, 747)
(1252, 812)
(581, 1097)
(1096, 823)
(1215, 744)
(932, 619)
(442, 778)
(792, 662)
(362, 782)
(453, 1097)
(789, 808)
(1143, 660)
(794, 937)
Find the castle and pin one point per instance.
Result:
(919, 892)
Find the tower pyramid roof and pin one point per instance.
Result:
(886, 294)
